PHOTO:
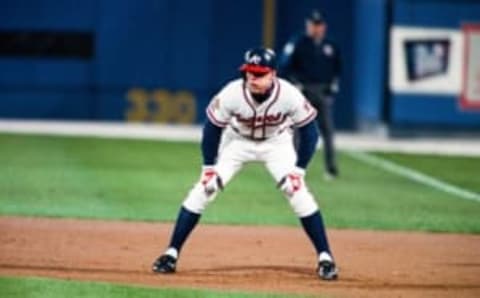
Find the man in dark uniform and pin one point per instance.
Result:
(312, 63)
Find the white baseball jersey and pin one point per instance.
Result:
(234, 106)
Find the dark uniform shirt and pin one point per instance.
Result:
(306, 62)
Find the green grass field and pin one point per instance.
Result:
(147, 180)
(49, 288)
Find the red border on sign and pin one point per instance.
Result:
(465, 103)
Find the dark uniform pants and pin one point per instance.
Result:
(322, 101)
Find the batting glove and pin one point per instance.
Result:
(292, 182)
(210, 180)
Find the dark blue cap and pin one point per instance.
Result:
(316, 17)
(261, 60)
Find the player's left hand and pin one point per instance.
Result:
(210, 180)
(292, 182)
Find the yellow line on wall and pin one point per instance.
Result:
(269, 8)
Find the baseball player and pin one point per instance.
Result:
(249, 120)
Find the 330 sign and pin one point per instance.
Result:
(160, 106)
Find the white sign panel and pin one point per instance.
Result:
(426, 61)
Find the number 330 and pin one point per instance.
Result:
(160, 106)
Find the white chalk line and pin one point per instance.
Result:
(414, 175)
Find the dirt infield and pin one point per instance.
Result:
(273, 259)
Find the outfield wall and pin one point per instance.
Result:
(152, 60)
(162, 60)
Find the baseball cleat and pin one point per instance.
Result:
(327, 270)
(164, 264)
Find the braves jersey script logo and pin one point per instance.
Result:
(270, 120)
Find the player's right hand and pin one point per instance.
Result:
(210, 180)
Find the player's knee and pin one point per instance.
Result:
(197, 200)
(303, 203)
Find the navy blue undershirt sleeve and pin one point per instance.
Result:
(308, 137)
(210, 142)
